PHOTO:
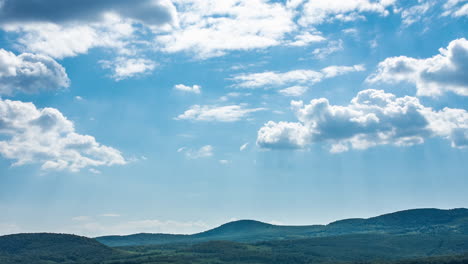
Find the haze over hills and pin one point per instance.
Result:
(415, 221)
(426, 236)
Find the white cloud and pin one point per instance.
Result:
(332, 47)
(210, 28)
(31, 135)
(283, 135)
(228, 113)
(110, 215)
(333, 71)
(124, 68)
(203, 152)
(445, 72)
(296, 90)
(244, 147)
(185, 88)
(30, 73)
(456, 8)
(273, 79)
(59, 41)
(415, 13)
(55, 29)
(306, 38)
(320, 11)
(372, 118)
(224, 162)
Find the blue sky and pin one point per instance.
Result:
(177, 116)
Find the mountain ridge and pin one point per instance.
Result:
(421, 220)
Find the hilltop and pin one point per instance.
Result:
(415, 221)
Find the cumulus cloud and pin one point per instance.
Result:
(31, 135)
(210, 28)
(320, 11)
(30, 73)
(372, 118)
(124, 68)
(67, 40)
(444, 72)
(273, 79)
(203, 152)
(228, 113)
(191, 89)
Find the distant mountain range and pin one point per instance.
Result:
(416, 221)
(419, 236)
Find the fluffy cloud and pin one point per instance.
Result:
(320, 11)
(210, 28)
(59, 41)
(372, 118)
(228, 113)
(124, 68)
(30, 73)
(191, 89)
(445, 72)
(154, 12)
(30, 135)
(273, 79)
(203, 152)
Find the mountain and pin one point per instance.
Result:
(52, 248)
(415, 221)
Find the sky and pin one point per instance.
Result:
(176, 116)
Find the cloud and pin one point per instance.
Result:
(306, 38)
(332, 47)
(372, 118)
(455, 8)
(154, 12)
(444, 72)
(224, 162)
(244, 147)
(320, 11)
(124, 68)
(228, 113)
(32, 135)
(67, 40)
(110, 215)
(296, 90)
(415, 13)
(191, 89)
(30, 73)
(203, 152)
(273, 79)
(209, 28)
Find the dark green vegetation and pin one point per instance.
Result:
(418, 221)
(425, 236)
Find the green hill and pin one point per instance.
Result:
(416, 221)
(42, 248)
